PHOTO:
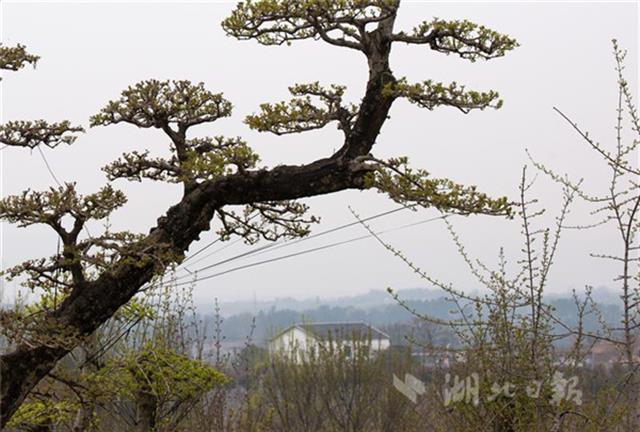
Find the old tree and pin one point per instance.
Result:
(94, 275)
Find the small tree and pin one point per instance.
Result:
(618, 206)
(161, 385)
(505, 358)
(144, 369)
(101, 273)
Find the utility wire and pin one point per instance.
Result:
(55, 178)
(201, 250)
(233, 258)
(304, 252)
(220, 249)
(332, 230)
(46, 162)
(105, 347)
(208, 246)
(276, 245)
(290, 243)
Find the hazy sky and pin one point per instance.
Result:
(91, 51)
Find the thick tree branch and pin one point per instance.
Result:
(85, 309)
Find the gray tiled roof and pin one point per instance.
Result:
(342, 330)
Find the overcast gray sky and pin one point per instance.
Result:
(91, 51)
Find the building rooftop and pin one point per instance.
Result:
(339, 330)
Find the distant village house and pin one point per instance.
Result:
(301, 339)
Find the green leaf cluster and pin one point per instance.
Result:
(406, 185)
(203, 159)
(157, 370)
(430, 95)
(461, 37)
(154, 103)
(49, 207)
(275, 22)
(31, 134)
(44, 413)
(301, 113)
(16, 57)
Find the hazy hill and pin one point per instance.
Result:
(376, 307)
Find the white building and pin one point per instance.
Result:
(313, 337)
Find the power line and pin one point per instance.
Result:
(329, 231)
(46, 162)
(207, 246)
(55, 178)
(332, 230)
(233, 258)
(220, 249)
(304, 252)
(201, 250)
(276, 245)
